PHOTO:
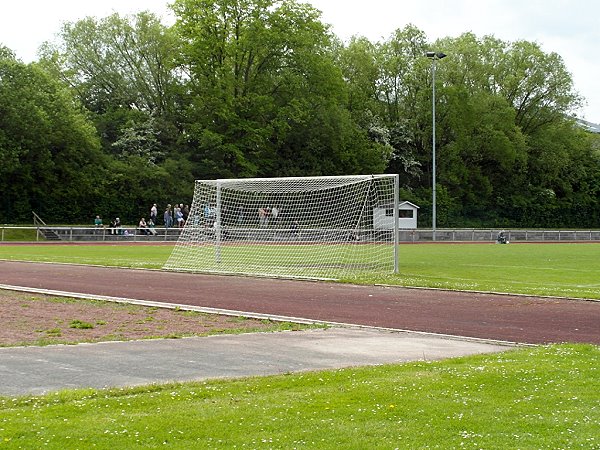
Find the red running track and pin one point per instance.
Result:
(489, 316)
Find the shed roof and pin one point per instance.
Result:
(404, 203)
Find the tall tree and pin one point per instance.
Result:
(504, 106)
(122, 68)
(267, 96)
(49, 152)
(117, 62)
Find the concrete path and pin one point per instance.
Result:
(40, 370)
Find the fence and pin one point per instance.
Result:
(91, 234)
(133, 234)
(490, 235)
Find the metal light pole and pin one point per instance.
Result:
(434, 56)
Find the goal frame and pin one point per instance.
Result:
(219, 184)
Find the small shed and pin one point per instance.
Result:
(383, 216)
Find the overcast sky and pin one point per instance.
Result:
(570, 28)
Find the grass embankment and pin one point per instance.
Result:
(568, 270)
(544, 397)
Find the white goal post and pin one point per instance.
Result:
(327, 227)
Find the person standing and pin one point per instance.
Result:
(117, 228)
(153, 213)
(262, 216)
(274, 214)
(168, 218)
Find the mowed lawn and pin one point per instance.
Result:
(567, 270)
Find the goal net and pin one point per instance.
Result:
(311, 227)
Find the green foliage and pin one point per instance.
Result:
(117, 62)
(49, 151)
(507, 150)
(244, 88)
(268, 98)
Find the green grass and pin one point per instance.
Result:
(19, 234)
(569, 270)
(544, 397)
(137, 256)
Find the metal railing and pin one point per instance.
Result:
(134, 234)
(490, 235)
(39, 233)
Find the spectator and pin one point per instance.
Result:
(151, 229)
(168, 217)
(207, 215)
(143, 226)
(117, 226)
(176, 211)
(153, 213)
(179, 218)
(98, 222)
(274, 214)
(262, 217)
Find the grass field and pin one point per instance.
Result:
(531, 398)
(568, 270)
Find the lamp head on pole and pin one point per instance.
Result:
(435, 55)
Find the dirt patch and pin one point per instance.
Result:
(33, 319)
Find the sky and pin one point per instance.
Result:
(570, 28)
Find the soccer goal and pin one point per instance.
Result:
(328, 227)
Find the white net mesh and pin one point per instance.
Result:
(313, 227)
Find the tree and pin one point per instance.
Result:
(504, 137)
(49, 151)
(117, 62)
(267, 98)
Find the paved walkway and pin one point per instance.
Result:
(40, 370)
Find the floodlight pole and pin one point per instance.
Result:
(434, 56)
